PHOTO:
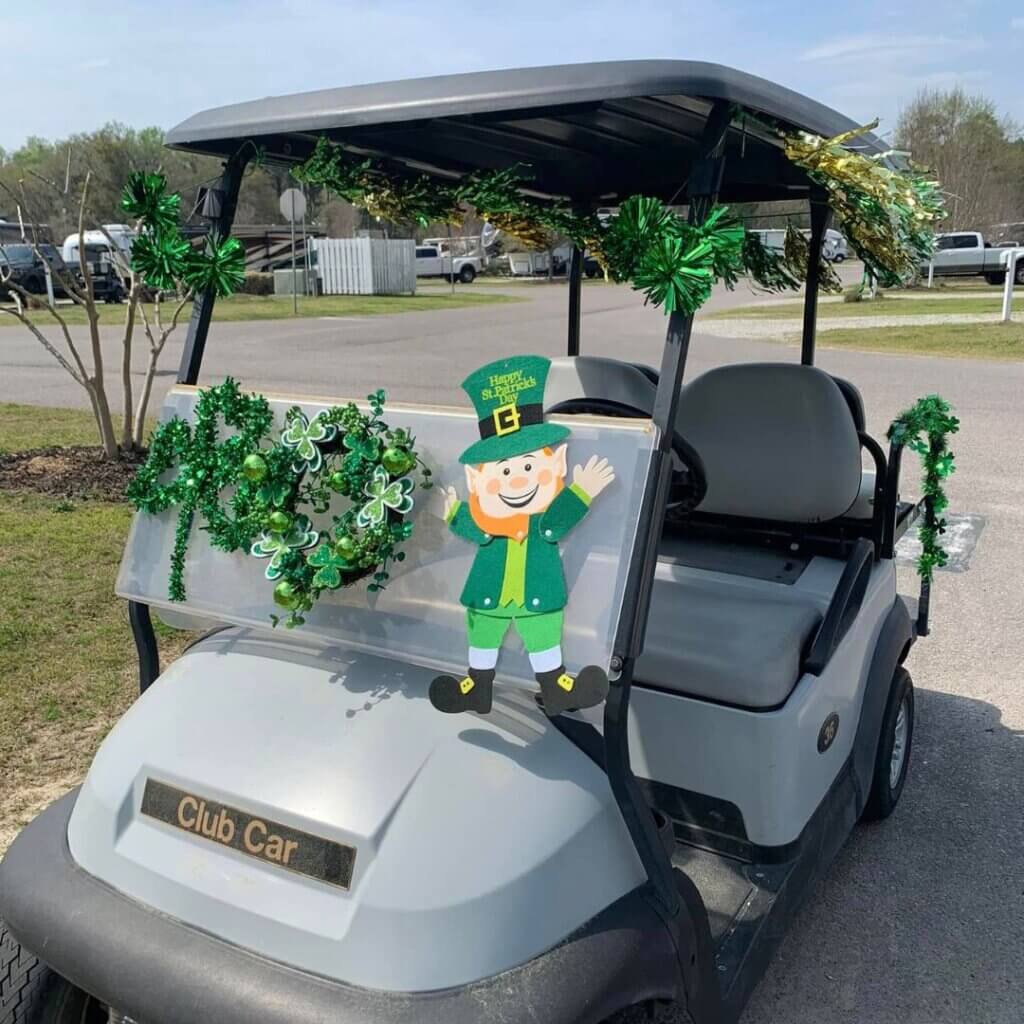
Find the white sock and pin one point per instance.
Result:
(547, 661)
(483, 657)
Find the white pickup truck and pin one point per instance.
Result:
(967, 254)
(431, 261)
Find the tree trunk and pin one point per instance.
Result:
(144, 396)
(127, 433)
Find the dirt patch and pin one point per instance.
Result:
(76, 471)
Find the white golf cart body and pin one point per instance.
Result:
(506, 867)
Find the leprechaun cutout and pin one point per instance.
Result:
(517, 511)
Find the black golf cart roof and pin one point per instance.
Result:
(593, 132)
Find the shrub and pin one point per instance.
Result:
(257, 283)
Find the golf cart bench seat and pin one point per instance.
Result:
(724, 643)
(733, 622)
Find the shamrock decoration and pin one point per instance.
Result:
(274, 492)
(329, 567)
(276, 546)
(364, 446)
(383, 495)
(304, 435)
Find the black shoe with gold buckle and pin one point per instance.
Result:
(563, 692)
(470, 693)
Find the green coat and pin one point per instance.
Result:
(545, 582)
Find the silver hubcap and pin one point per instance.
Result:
(899, 746)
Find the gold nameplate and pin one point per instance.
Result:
(506, 419)
(266, 840)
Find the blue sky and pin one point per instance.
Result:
(75, 66)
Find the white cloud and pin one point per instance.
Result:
(1017, 23)
(874, 46)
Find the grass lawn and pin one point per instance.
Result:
(279, 307)
(885, 307)
(67, 660)
(971, 341)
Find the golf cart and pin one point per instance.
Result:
(738, 588)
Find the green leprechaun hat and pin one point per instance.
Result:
(509, 399)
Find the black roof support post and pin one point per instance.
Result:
(821, 216)
(145, 644)
(575, 290)
(199, 326)
(703, 188)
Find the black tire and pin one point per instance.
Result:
(467, 273)
(35, 285)
(31, 993)
(885, 789)
(1018, 274)
(996, 279)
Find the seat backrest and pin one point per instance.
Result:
(778, 442)
(608, 380)
(418, 617)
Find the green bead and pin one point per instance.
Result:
(287, 596)
(254, 468)
(345, 548)
(336, 481)
(279, 521)
(396, 461)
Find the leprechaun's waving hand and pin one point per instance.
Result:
(594, 477)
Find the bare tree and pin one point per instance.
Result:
(90, 378)
(972, 151)
(84, 362)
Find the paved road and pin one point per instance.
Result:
(921, 920)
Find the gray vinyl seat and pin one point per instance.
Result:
(713, 642)
(779, 443)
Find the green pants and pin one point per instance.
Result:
(540, 631)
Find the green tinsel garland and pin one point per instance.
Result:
(925, 429)
(797, 254)
(341, 451)
(647, 245)
(888, 214)
(768, 268)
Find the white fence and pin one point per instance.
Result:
(366, 266)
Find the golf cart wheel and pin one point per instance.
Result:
(893, 757)
(31, 993)
(467, 274)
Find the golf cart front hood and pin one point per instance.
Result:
(479, 842)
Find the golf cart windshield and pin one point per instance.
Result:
(418, 617)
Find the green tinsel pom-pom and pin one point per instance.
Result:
(145, 198)
(676, 277)
(160, 259)
(220, 268)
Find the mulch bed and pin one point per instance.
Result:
(74, 471)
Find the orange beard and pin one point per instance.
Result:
(514, 527)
